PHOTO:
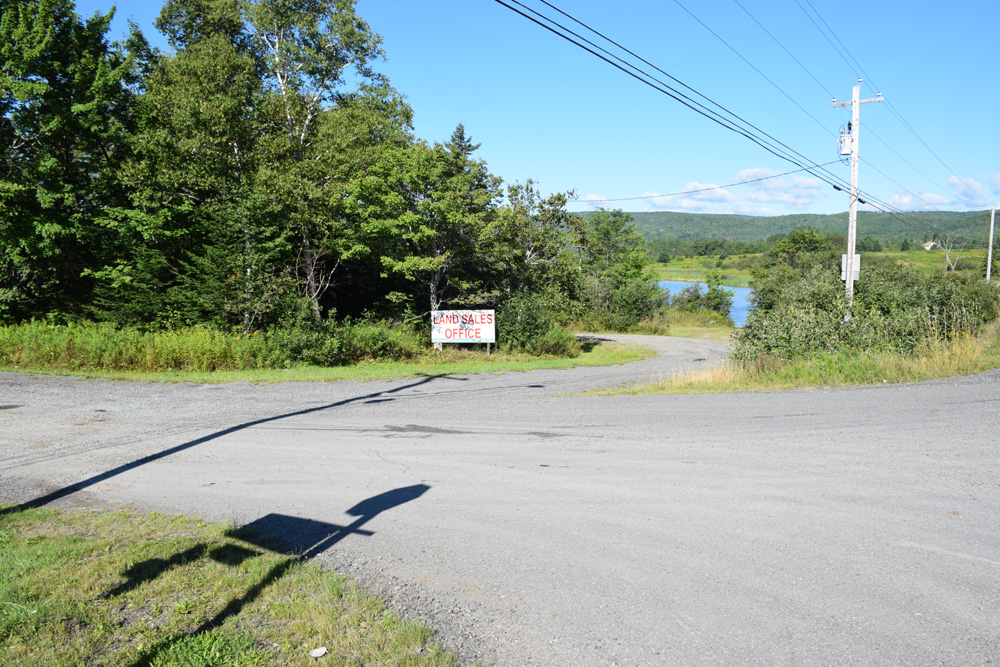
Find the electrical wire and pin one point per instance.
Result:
(754, 68)
(804, 68)
(747, 130)
(772, 145)
(889, 104)
(714, 187)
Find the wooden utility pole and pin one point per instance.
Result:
(989, 248)
(852, 225)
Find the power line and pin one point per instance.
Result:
(714, 187)
(747, 130)
(804, 68)
(754, 67)
(889, 104)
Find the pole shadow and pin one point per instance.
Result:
(298, 538)
(383, 396)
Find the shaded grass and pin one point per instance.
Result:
(963, 355)
(123, 588)
(450, 362)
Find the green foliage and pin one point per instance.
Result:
(66, 97)
(895, 310)
(450, 200)
(102, 346)
(370, 340)
(526, 324)
(689, 227)
(259, 179)
(716, 298)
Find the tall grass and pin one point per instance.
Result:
(101, 346)
(934, 358)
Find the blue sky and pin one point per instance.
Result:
(546, 110)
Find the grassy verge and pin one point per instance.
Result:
(123, 588)
(701, 324)
(450, 362)
(962, 356)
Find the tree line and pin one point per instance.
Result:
(264, 174)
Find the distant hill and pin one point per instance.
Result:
(914, 225)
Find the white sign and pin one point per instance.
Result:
(857, 267)
(463, 326)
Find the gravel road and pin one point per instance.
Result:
(532, 527)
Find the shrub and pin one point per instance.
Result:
(715, 298)
(631, 302)
(895, 310)
(525, 323)
(370, 340)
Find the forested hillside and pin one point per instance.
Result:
(916, 225)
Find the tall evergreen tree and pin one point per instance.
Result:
(66, 97)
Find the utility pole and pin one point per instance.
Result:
(852, 225)
(989, 248)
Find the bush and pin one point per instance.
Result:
(376, 339)
(629, 303)
(715, 298)
(895, 310)
(93, 346)
(525, 323)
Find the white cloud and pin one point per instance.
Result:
(773, 196)
(919, 201)
(968, 192)
(994, 181)
(596, 201)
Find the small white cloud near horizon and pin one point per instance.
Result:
(994, 181)
(919, 201)
(595, 201)
(968, 192)
(763, 197)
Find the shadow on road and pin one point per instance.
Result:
(381, 396)
(300, 539)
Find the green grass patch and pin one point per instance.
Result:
(933, 261)
(696, 269)
(452, 361)
(735, 269)
(962, 355)
(697, 323)
(131, 589)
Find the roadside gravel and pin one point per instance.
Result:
(532, 526)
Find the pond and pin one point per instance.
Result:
(741, 298)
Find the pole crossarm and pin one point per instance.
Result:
(847, 104)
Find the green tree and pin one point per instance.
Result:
(611, 246)
(533, 240)
(803, 248)
(613, 256)
(66, 96)
(306, 48)
(208, 246)
(447, 200)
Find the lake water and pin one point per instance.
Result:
(741, 298)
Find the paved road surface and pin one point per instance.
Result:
(849, 527)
